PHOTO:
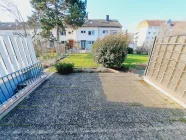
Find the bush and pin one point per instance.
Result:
(130, 50)
(64, 68)
(111, 50)
(142, 50)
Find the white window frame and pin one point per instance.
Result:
(105, 31)
(63, 42)
(63, 33)
(92, 33)
(91, 42)
(113, 32)
(83, 32)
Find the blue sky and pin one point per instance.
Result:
(128, 12)
(131, 12)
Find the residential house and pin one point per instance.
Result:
(91, 30)
(147, 30)
(85, 36)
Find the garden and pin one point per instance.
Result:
(110, 53)
(87, 60)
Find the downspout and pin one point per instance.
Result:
(98, 31)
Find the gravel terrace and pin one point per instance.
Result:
(91, 106)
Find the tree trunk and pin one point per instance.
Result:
(56, 17)
(57, 30)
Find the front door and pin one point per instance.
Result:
(71, 44)
(83, 44)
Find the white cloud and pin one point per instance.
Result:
(23, 6)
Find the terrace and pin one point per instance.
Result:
(92, 106)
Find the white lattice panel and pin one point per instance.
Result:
(16, 52)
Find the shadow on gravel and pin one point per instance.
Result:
(75, 107)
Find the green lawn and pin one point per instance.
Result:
(135, 59)
(86, 60)
(81, 60)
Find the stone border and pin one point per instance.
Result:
(95, 70)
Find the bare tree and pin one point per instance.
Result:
(13, 9)
(33, 23)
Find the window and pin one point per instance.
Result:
(113, 32)
(105, 31)
(83, 32)
(149, 32)
(63, 33)
(91, 32)
(63, 42)
(91, 42)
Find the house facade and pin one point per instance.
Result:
(91, 30)
(147, 30)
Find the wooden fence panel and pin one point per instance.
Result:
(167, 66)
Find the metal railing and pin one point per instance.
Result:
(15, 82)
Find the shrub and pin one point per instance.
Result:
(64, 68)
(111, 50)
(130, 50)
(142, 50)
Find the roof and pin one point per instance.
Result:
(10, 26)
(102, 23)
(155, 22)
(149, 23)
(89, 23)
(177, 27)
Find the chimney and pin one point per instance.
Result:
(107, 17)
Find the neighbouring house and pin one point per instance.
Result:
(91, 30)
(84, 36)
(147, 30)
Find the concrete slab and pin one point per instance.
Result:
(128, 88)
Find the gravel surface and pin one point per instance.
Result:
(75, 107)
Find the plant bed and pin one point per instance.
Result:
(95, 70)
